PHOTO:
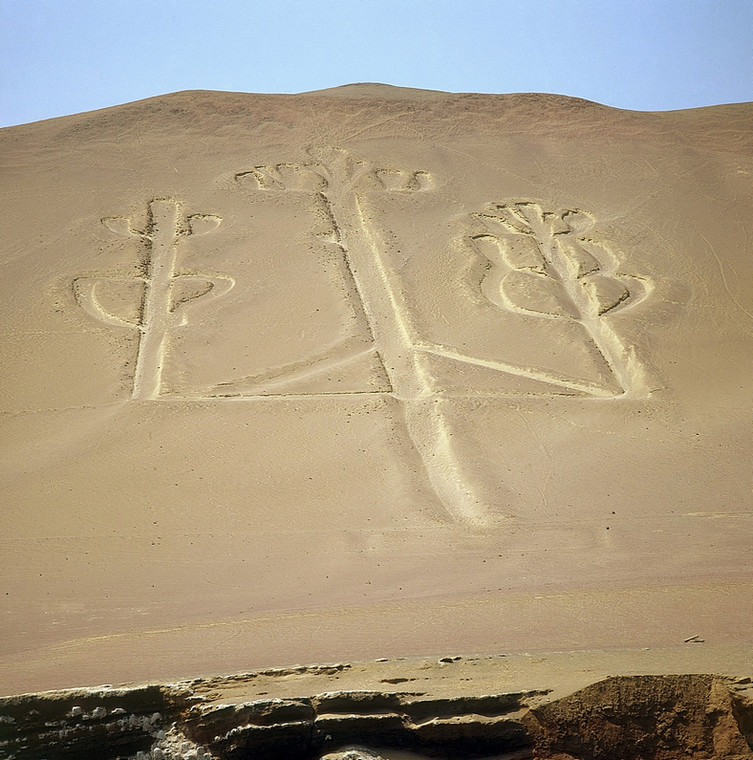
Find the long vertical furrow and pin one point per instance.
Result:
(427, 427)
(411, 384)
(156, 306)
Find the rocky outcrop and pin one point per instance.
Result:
(647, 717)
(636, 717)
(87, 724)
(317, 725)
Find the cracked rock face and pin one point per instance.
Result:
(663, 717)
(636, 717)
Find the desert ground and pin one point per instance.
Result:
(375, 373)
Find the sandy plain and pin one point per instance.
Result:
(373, 372)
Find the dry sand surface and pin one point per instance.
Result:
(373, 372)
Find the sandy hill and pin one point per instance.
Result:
(372, 372)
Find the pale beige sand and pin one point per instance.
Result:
(371, 372)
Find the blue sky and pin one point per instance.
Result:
(66, 56)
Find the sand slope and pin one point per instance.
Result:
(371, 372)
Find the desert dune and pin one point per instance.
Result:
(373, 373)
